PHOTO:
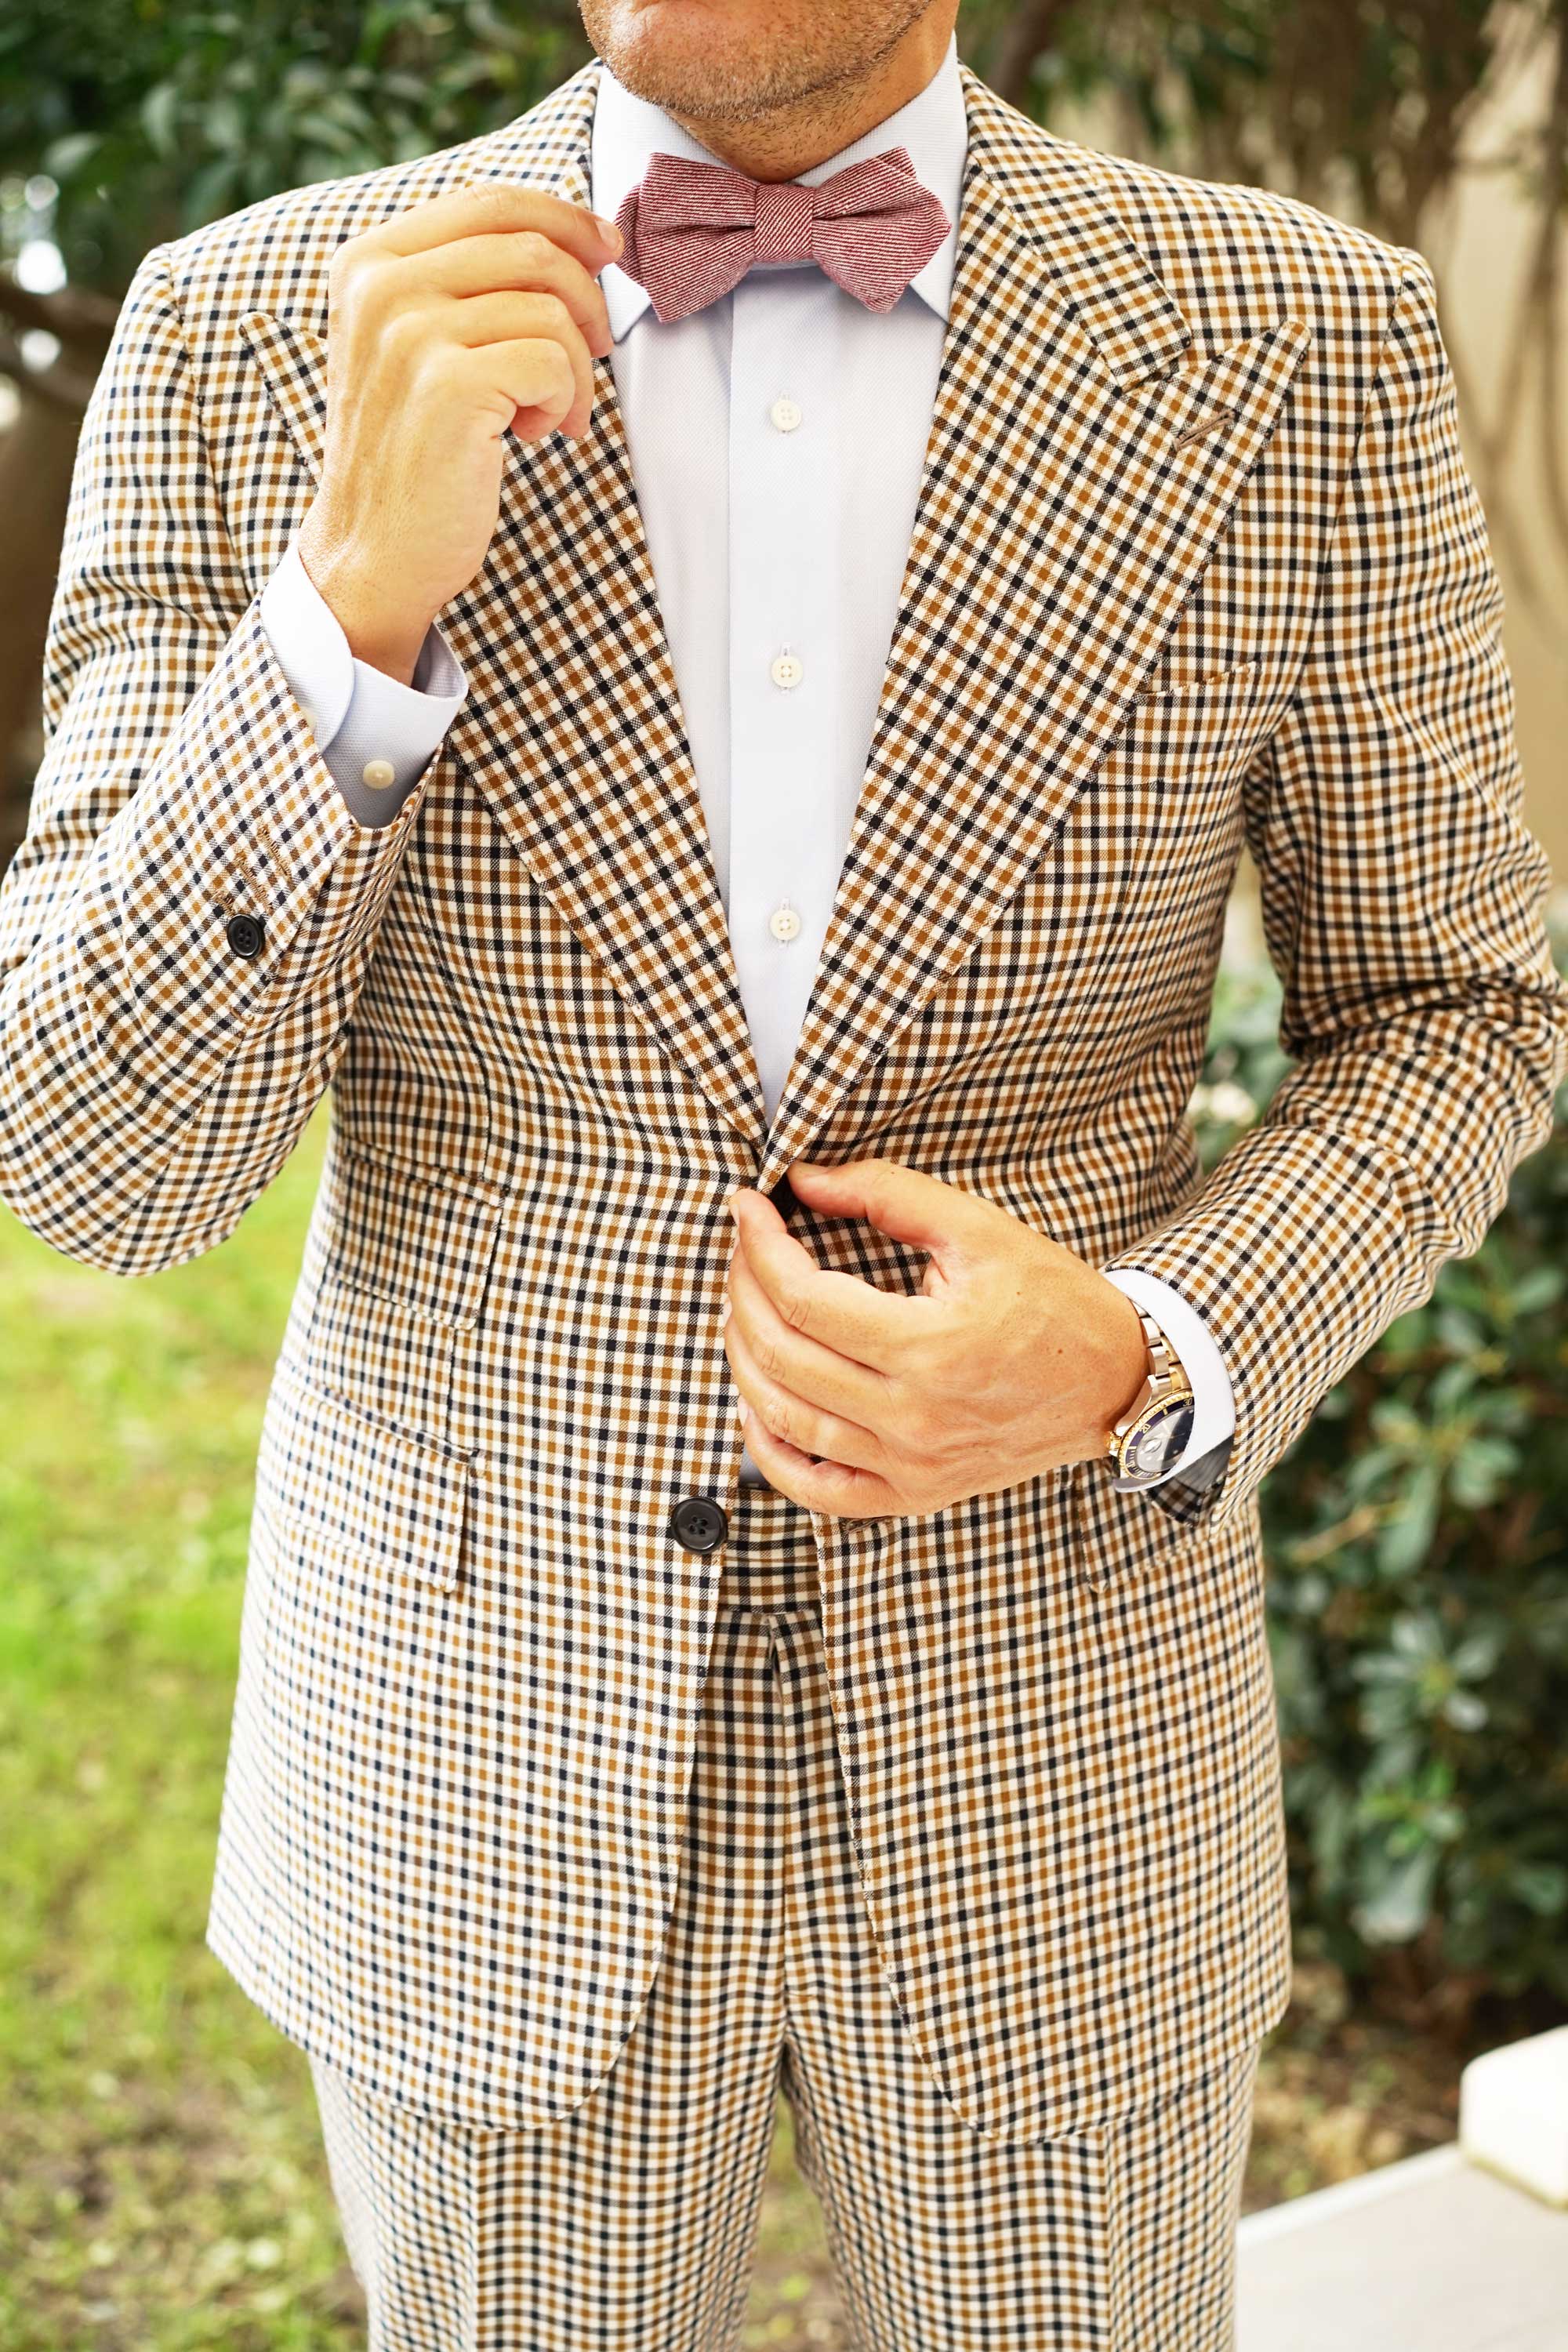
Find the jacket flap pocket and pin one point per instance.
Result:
(346, 1487)
(1121, 1532)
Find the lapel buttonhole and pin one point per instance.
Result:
(1214, 422)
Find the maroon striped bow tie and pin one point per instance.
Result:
(693, 229)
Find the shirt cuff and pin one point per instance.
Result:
(360, 718)
(1214, 1403)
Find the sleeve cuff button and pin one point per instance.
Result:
(378, 774)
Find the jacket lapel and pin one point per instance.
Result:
(1078, 470)
(1081, 466)
(573, 730)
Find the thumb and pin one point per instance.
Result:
(904, 1202)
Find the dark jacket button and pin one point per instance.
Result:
(245, 935)
(697, 1524)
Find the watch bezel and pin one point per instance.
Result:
(1158, 1409)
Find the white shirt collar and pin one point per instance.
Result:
(933, 125)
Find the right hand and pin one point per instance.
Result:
(449, 326)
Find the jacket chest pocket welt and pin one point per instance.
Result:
(1114, 930)
(1161, 817)
(404, 1258)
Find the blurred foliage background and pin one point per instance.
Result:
(164, 2184)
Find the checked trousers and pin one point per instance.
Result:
(628, 2224)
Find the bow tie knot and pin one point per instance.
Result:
(693, 229)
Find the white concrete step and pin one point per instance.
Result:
(1434, 2254)
(1513, 2112)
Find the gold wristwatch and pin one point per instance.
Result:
(1155, 1428)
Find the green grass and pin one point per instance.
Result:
(163, 2188)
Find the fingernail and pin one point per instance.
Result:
(609, 231)
(744, 1410)
(724, 1311)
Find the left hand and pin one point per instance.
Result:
(1015, 1358)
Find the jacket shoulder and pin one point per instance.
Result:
(1237, 258)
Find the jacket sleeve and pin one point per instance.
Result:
(159, 1058)
(1402, 908)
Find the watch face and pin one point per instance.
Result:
(1158, 1439)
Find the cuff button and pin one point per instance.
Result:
(245, 935)
(378, 774)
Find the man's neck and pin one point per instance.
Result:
(789, 141)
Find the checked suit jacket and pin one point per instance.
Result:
(1196, 563)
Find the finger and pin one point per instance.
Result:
(537, 383)
(832, 1486)
(874, 1327)
(906, 1203)
(492, 207)
(793, 1360)
(521, 264)
(481, 319)
(788, 1415)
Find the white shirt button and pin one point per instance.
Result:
(786, 412)
(786, 669)
(784, 922)
(378, 774)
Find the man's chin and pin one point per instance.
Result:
(699, 59)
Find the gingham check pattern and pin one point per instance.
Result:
(693, 229)
(1196, 559)
(631, 2221)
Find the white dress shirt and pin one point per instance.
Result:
(777, 440)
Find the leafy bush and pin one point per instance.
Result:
(153, 120)
(1418, 1596)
